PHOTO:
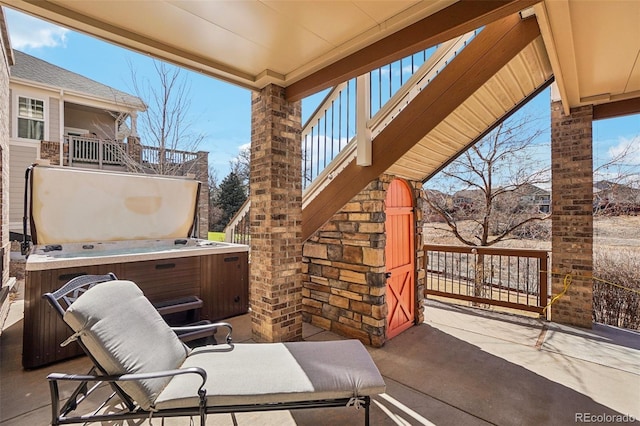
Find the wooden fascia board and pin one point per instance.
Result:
(492, 49)
(455, 20)
(616, 109)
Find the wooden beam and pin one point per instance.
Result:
(455, 20)
(493, 48)
(616, 109)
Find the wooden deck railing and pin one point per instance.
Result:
(101, 152)
(95, 151)
(512, 278)
(238, 230)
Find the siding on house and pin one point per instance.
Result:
(53, 119)
(100, 123)
(21, 157)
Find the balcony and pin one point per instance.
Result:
(461, 366)
(92, 152)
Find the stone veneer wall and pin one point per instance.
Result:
(344, 284)
(572, 214)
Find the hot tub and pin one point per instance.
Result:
(77, 230)
(57, 256)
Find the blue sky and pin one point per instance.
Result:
(222, 111)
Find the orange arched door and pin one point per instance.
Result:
(399, 254)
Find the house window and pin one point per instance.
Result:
(30, 118)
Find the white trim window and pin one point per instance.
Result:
(31, 118)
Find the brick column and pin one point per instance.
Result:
(134, 149)
(202, 174)
(572, 214)
(275, 286)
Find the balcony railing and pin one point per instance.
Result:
(155, 155)
(512, 278)
(100, 152)
(355, 112)
(95, 151)
(330, 137)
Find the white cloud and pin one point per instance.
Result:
(244, 146)
(27, 32)
(627, 150)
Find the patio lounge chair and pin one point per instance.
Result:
(156, 375)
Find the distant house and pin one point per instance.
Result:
(526, 198)
(532, 195)
(615, 198)
(71, 120)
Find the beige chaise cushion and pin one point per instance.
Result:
(262, 373)
(125, 334)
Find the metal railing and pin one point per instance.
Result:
(330, 136)
(512, 278)
(238, 230)
(333, 127)
(156, 155)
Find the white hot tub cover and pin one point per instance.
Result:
(70, 205)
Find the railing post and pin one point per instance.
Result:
(363, 111)
(100, 153)
(544, 280)
(71, 150)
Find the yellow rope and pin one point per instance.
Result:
(567, 282)
(632, 290)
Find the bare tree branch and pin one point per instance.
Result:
(495, 181)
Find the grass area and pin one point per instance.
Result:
(216, 236)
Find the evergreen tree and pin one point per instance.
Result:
(230, 197)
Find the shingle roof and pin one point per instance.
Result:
(30, 68)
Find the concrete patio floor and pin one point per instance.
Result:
(462, 366)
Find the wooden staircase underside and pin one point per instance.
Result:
(502, 68)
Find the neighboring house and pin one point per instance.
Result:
(531, 195)
(530, 198)
(467, 201)
(66, 118)
(51, 107)
(615, 198)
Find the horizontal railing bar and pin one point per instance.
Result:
(322, 107)
(512, 305)
(414, 84)
(514, 252)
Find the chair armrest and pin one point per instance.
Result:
(81, 393)
(129, 377)
(207, 327)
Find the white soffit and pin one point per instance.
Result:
(594, 48)
(251, 43)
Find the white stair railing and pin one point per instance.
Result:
(329, 137)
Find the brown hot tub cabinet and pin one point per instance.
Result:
(167, 265)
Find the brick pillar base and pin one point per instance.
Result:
(572, 214)
(276, 217)
(202, 174)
